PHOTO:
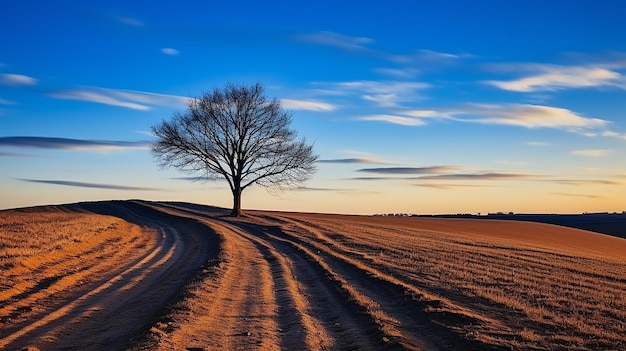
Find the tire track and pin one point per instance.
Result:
(251, 299)
(56, 289)
(238, 310)
(311, 298)
(347, 325)
(403, 310)
(127, 300)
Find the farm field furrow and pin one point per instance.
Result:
(521, 295)
(137, 275)
(104, 277)
(309, 310)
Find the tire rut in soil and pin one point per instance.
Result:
(123, 305)
(349, 325)
(345, 321)
(421, 329)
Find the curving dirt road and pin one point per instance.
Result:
(110, 300)
(285, 291)
(196, 279)
(271, 295)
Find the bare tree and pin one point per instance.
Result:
(239, 134)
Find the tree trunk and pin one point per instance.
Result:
(236, 202)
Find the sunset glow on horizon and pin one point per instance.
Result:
(413, 106)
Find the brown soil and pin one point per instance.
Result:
(187, 277)
(106, 294)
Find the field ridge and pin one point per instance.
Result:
(199, 280)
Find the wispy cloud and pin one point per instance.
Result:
(136, 100)
(419, 58)
(587, 182)
(480, 176)
(612, 134)
(554, 77)
(408, 117)
(449, 186)
(394, 119)
(381, 93)
(195, 179)
(428, 56)
(374, 178)
(99, 146)
(17, 79)
(150, 98)
(401, 73)
(426, 113)
(336, 40)
(99, 97)
(310, 105)
(354, 161)
(88, 185)
(518, 115)
(411, 170)
(14, 154)
(531, 116)
(170, 51)
(592, 152)
(6, 102)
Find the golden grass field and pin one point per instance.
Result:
(140, 275)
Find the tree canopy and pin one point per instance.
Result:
(238, 134)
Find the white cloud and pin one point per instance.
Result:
(97, 97)
(309, 105)
(136, 100)
(592, 152)
(337, 40)
(519, 115)
(402, 73)
(533, 116)
(382, 93)
(170, 51)
(394, 119)
(17, 79)
(427, 56)
(426, 114)
(552, 78)
(612, 134)
(382, 100)
(149, 98)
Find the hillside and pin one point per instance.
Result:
(282, 280)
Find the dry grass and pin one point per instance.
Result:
(531, 286)
(46, 253)
(503, 284)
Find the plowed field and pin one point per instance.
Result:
(135, 275)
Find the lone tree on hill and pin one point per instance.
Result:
(239, 134)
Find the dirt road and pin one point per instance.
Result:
(277, 291)
(105, 302)
(195, 279)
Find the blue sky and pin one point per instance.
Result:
(414, 106)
